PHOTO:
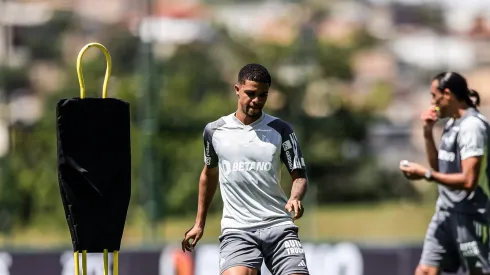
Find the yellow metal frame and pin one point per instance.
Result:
(115, 262)
(76, 254)
(107, 72)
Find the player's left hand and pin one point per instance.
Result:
(296, 207)
(413, 171)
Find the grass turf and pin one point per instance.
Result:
(381, 223)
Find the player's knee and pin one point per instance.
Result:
(426, 270)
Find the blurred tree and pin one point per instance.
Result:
(197, 88)
(12, 79)
(123, 47)
(44, 42)
(336, 152)
(194, 94)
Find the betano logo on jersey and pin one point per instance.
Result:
(245, 166)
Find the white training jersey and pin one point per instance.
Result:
(249, 158)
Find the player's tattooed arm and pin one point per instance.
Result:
(300, 184)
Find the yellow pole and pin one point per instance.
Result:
(106, 262)
(84, 262)
(77, 263)
(116, 263)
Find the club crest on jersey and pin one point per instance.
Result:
(446, 156)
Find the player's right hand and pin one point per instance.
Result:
(191, 237)
(429, 117)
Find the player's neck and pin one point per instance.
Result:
(246, 120)
(461, 111)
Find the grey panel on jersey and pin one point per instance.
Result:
(456, 240)
(279, 246)
(210, 157)
(249, 158)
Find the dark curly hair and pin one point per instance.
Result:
(254, 72)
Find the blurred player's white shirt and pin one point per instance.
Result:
(249, 159)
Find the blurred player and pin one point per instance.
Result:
(244, 150)
(458, 233)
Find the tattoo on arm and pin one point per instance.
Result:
(299, 188)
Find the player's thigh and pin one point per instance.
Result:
(439, 252)
(283, 251)
(473, 242)
(427, 270)
(239, 253)
(240, 270)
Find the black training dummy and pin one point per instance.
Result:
(94, 170)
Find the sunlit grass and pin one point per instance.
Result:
(392, 222)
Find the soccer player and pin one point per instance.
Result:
(458, 233)
(244, 151)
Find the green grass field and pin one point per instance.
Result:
(392, 222)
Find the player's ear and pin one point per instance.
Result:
(237, 90)
(447, 93)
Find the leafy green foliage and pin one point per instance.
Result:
(192, 88)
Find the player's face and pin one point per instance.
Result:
(440, 99)
(252, 97)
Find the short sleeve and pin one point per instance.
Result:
(472, 138)
(291, 154)
(210, 156)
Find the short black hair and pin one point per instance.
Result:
(458, 86)
(254, 72)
